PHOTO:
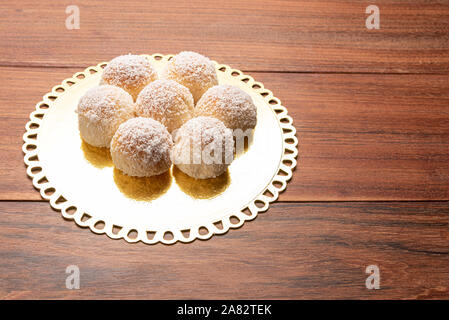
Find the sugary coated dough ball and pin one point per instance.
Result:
(100, 112)
(141, 147)
(230, 104)
(130, 72)
(166, 101)
(204, 148)
(192, 70)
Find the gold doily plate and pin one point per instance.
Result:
(81, 182)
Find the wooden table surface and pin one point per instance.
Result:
(371, 108)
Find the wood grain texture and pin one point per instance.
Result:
(361, 137)
(295, 251)
(324, 36)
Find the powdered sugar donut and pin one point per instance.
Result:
(230, 104)
(141, 147)
(192, 70)
(100, 112)
(130, 72)
(203, 148)
(166, 101)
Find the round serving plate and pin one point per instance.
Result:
(80, 180)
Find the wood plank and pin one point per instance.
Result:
(295, 251)
(368, 137)
(324, 36)
(362, 137)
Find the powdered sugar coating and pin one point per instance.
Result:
(192, 70)
(130, 72)
(203, 148)
(100, 112)
(166, 101)
(141, 147)
(230, 104)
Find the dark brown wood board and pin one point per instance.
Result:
(305, 36)
(294, 251)
(361, 137)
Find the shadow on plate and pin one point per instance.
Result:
(142, 188)
(98, 157)
(201, 188)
